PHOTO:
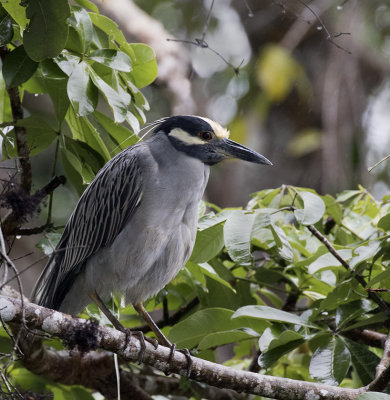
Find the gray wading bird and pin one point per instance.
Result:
(134, 227)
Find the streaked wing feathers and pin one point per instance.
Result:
(105, 206)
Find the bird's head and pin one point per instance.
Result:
(205, 139)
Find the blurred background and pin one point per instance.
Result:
(304, 83)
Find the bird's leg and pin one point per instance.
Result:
(161, 337)
(117, 325)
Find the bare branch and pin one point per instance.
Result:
(382, 377)
(62, 325)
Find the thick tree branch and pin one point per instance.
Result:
(382, 377)
(64, 326)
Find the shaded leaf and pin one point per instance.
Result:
(330, 362)
(47, 31)
(363, 360)
(6, 30)
(144, 65)
(209, 242)
(18, 67)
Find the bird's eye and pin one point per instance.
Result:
(205, 135)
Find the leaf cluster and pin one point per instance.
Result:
(77, 58)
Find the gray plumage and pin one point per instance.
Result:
(134, 227)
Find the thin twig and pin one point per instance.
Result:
(382, 376)
(382, 304)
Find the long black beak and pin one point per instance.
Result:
(232, 149)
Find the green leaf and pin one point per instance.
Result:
(16, 11)
(84, 131)
(122, 136)
(313, 209)
(117, 102)
(209, 242)
(39, 136)
(82, 93)
(224, 337)
(384, 223)
(283, 245)
(112, 58)
(6, 30)
(363, 361)
(237, 236)
(191, 331)
(285, 343)
(272, 314)
(18, 67)
(330, 362)
(144, 65)
(364, 253)
(47, 31)
(82, 24)
(328, 260)
(5, 104)
(88, 4)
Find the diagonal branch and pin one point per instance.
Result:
(64, 326)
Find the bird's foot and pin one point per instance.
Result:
(142, 339)
(187, 355)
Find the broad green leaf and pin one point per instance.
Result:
(328, 260)
(283, 245)
(191, 331)
(373, 396)
(237, 235)
(26, 380)
(111, 29)
(347, 312)
(121, 135)
(16, 11)
(272, 314)
(209, 242)
(268, 358)
(47, 31)
(333, 208)
(39, 136)
(82, 93)
(84, 131)
(118, 103)
(18, 67)
(384, 222)
(313, 209)
(216, 339)
(112, 58)
(379, 278)
(67, 62)
(82, 24)
(88, 4)
(363, 360)
(330, 362)
(364, 253)
(6, 30)
(374, 320)
(144, 65)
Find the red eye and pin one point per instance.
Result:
(205, 135)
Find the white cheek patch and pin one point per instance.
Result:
(185, 137)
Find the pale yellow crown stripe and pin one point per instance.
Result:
(220, 131)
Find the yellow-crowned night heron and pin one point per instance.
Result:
(134, 226)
